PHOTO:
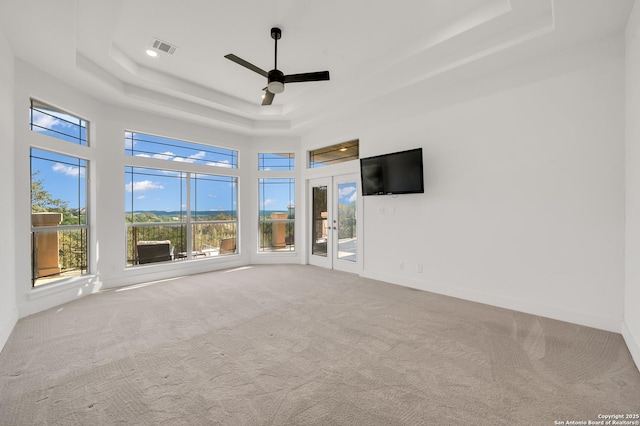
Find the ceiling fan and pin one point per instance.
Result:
(276, 78)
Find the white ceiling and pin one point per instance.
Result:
(371, 48)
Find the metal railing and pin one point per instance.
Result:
(203, 241)
(58, 252)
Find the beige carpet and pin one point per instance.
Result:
(297, 345)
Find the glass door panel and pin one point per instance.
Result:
(333, 222)
(346, 221)
(319, 223)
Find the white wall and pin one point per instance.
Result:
(8, 308)
(631, 330)
(524, 187)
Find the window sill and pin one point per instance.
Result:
(89, 281)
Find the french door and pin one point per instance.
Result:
(333, 222)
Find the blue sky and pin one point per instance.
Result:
(62, 176)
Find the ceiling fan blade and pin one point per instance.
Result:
(309, 76)
(268, 98)
(246, 64)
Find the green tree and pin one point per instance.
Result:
(41, 199)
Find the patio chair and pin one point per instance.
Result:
(154, 251)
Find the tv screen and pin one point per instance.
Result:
(395, 173)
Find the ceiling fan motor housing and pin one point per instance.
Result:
(276, 81)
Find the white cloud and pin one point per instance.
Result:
(164, 155)
(198, 155)
(43, 122)
(68, 170)
(348, 190)
(353, 197)
(191, 159)
(144, 185)
(141, 197)
(224, 163)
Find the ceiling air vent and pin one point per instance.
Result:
(163, 46)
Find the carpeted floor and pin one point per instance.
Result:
(297, 345)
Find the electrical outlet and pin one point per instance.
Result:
(419, 268)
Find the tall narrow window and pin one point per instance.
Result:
(155, 202)
(59, 225)
(214, 217)
(277, 214)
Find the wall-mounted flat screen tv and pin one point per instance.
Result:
(395, 173)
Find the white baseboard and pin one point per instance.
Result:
(594, 321)
(632, 344)
(7, 323)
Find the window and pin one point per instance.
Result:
(179, 214)
(214, 216)
(173, 216)
(59, 225)
(142, 145)
(334, 154)
(269, 162)
(59, 211)
(277, 214)
(51, 121)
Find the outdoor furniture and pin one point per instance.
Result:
(227, 245)
(154, 251)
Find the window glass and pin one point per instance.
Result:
(334, 154)
(54, 122)
(267, 162)
(59, 224)
(173, 216)
(214, 214)
(277, 214)
(142, 145)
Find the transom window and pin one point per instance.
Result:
(269, 162)
(54, 122)
(334, 154)
(144, 145)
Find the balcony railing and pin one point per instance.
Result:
(58, 252)
(173, 242)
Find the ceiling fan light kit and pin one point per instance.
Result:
(276, 78)
(276, 81)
